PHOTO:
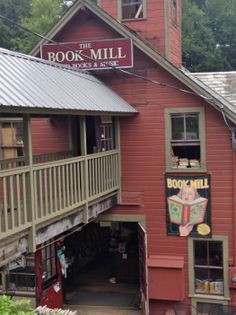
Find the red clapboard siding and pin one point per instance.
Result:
(49, 136)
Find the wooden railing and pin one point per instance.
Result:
(33, 195)
(37, 158)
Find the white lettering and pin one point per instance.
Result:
(120, 53)
(96, 55)
(51, 56)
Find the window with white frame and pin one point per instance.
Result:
(185, 139)
(208, 269)
(132, 9)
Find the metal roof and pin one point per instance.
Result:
(30, 82)
(223, 83)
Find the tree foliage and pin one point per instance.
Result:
(14, 307)
(43, 14)
(35, 15)
(13, 10)
(209, 34)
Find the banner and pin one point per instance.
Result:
(188, 205)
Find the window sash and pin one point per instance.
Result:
(49, 262)
(185, 144)
(132, 9)
(223, 269)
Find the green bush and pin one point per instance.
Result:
(14, 307)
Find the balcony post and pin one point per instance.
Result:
(29, 181)
(83, 145)
(117, 143)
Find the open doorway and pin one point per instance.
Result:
(104, 265)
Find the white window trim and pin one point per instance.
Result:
(208, 298)
(202, 137)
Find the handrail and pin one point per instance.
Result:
(56, 188)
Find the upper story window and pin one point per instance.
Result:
(132, 9)
(174, 11)
(208, 267)
(185, 139)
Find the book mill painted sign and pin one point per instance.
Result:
(91, 55)
(188, 205)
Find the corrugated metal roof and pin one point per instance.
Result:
(223, 83)
(30, 82)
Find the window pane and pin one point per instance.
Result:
(192, 132)
(209, 272)
(177, 123)
(216, 253)
(200, 252)
(132, 9)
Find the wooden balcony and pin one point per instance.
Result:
(33, 195)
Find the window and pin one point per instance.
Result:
(100, 134)
(132, 9)
(11, 138)
(106, 134)
(185, 135)
(174, 12)
(49, 269)
(208, 269)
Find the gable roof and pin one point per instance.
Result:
(33, 84)
(195, 85)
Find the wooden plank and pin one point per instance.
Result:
(5, 203)
(24, 198)
(41, 207)
(59, 187)
(50, 190)
(75, 183)
(55, 186)
(45, 177)
(12, 212)
(18, 203)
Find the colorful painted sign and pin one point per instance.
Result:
(92, 55)
(188, 205)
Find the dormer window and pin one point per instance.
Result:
(132, 9)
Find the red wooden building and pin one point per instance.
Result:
(156, 215)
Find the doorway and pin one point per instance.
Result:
(104, 265)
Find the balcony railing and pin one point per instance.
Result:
(34, 195)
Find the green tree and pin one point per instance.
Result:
(199, 45)
(14, 10)
(43, 14)
(222, 20)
